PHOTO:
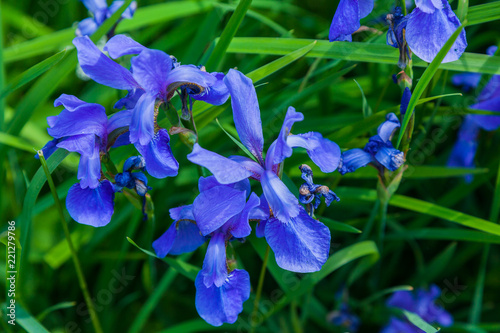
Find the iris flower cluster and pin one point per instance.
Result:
(84, 128)
(421, 302)
(424, 31)
(464, 150)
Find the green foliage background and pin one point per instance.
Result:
(438, 228)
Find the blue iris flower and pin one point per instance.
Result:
(425, 31)
(220, 213)
(100, 12)
(83, 128)
(379, 150)
(300, 243)
(346, 19)
(153, 79)
(422, 303)
(464, 150)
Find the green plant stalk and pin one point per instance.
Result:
(259, 291)
(76, 261)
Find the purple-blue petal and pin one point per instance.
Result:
(214, 268)
(216, 94)
(301, 244)
(283, 203)
(427, 33)
(91, 206)
(160, 162)
(282, 149)
(345, 21)
(190, 74)
(487, 122)
(119, 120)
(429, 6)
(142, 120)
(88, 118)
(181, 237)
(390, 157)
(86, 27)
(365, 7)
(121, 45)
(323, 152)
(389, 126)
(151, 69)
(405, 100)
(213, 207)
(130, 100)
(225, 170)
(246, 112)
(255, 168)
(467, 81)
(354, 159)
(239, 225)
(95, 5)
(219, 305)
(100, 68)
(128, 13)
(89, 170)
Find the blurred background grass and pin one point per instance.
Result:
(419, 248)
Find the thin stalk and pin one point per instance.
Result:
(76, 261)
(381, 223)
(259, 291)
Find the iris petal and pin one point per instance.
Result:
(345, 21)
(91, 206)
(151, 69)
(121, 45)
(323, 152)
(487, 122)
(282, 149)
(142, 121)
(283, 203)
(160, 162)
(214, 268)
(354, 159)
(216, 94)
(246, 112)
(222, 305)
(301, 244)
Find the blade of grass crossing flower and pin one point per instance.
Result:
(32, 73)
(238, 143)
(426, 79)
(462, 10)
(419, 322)
(76, 261)
(227, 35)
(180, 266)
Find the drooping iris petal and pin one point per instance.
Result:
(91, 206)
(217, 94)
(84, 144)
(224, 170)
(160, 162)
(214, 268)
(323, 152)
(428, 6)
(151, 69)
(391, 123)
(70, 102)
(283, 150)
(427, 33)
(301, 244)
(142, 121)
(354, 159)
(213, 207)
(121, 45)
(86, 119)
(283, 203)
(255, 168)
(487, 122)
(345, 21)
(100, 68)
(239, 226)
(390, 157)
(246, 112)
(222, 305)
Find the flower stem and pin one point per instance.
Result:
(76, 261)
(259, 291)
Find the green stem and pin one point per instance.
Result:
(76, 261)
(259, 291)
(382, 222)
(475, 312)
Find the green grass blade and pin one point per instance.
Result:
(463, 9)
(483, 13)
(28, 322)
(425, 79)
(362, 52)
(446, 234)
(422, 207)
(180, 266)
(227, 35)
(59, 306)
(16, 142)
(436, 266)
(237, 142)
(419, 322)
(367, 110)
(32, 73)
(338, 226)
